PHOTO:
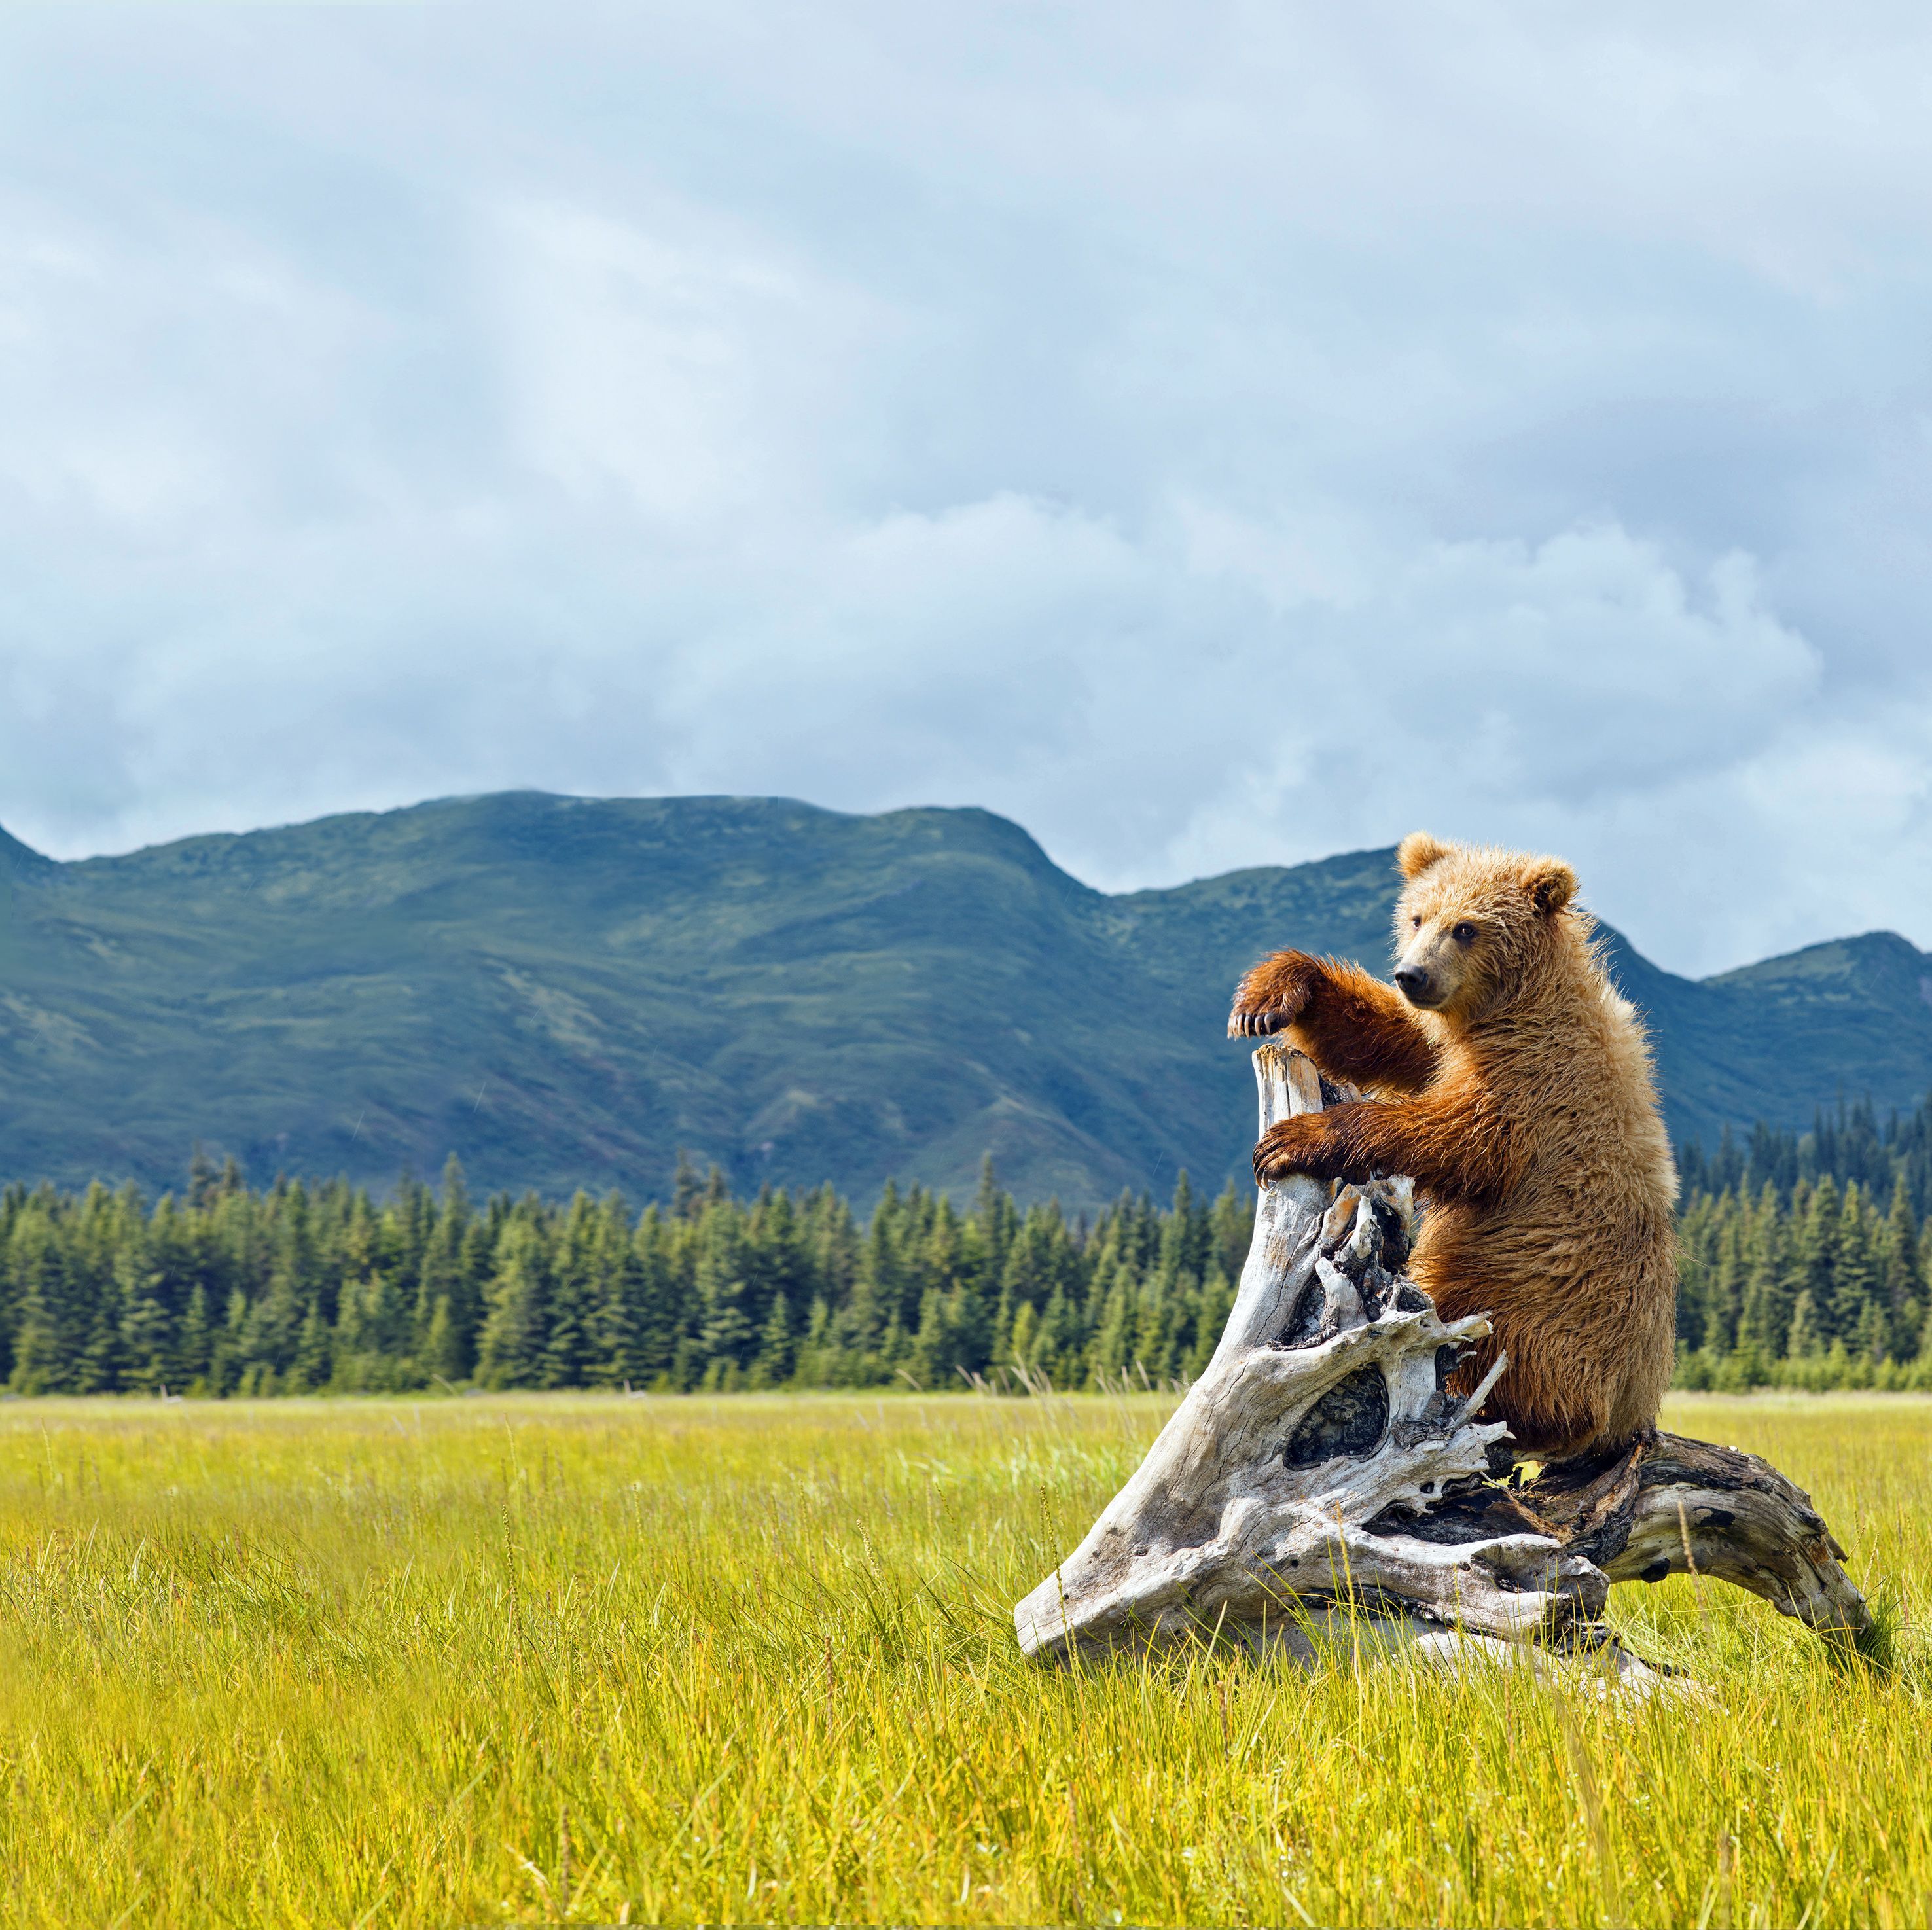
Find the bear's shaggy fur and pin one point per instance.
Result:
(1513, 1084)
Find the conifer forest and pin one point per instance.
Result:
(1805, 1261)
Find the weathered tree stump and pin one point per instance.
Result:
(1320, 1464)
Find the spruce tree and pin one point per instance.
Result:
(204, 1180)
(468, 1292)
(687, 1190)
(1769, 1292)
(773, 1367)
(150, 1334)
(511, 1349)
(439, 1280)
(726, 1338)
(352, 1350)
(1806, 1339)
(313, 1362)
(192, 1357)
(615, 1315)
(1856, 1278)
(228, 1364)
(1113, 1347)
(1217, 1302)
(996, 1222)
(568, 1337)
(664, 1308)
(1022, 1346)
(443, 1359)
(44, 1349)
(927, 1358)
(1902, 1282)
(1816, 1226)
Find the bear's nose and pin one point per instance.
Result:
(1413, 979)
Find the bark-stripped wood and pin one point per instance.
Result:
(1321, 1461)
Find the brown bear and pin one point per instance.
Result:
(1513, 1084)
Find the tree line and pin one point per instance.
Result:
(1805, 1263)
(225, 1289)
(1847, 1145)
(1805, 1259)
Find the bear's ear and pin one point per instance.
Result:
(1418, 851)
(1550, 882)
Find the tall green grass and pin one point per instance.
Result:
(752, 1660)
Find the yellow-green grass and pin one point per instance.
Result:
(751, 1659)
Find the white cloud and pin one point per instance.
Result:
(699, 379)
(1212, 441)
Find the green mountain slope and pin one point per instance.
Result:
(564, 991)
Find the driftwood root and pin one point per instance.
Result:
(1320, 1466)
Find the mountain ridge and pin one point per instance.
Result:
(564, 991)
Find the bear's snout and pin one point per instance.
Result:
(1413, 981)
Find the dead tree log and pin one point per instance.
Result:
(1321, 1461)
(1672, 1506)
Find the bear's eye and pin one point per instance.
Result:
(1417, 922)
(1464, 935)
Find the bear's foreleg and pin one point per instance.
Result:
(1451, 1154)
(1353, 1026)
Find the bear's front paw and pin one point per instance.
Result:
(1255, 1024)
(1270, 996)
(1289, 1146)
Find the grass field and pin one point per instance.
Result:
(751, 1660)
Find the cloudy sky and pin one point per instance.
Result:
(1211, 434)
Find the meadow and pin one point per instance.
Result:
(750, 1659)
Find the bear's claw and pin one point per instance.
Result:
(1289, 1146)
(1255, 1024)
(1270, 1167)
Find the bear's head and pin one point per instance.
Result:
(1473, 922)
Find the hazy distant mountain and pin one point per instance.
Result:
(564, 991)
